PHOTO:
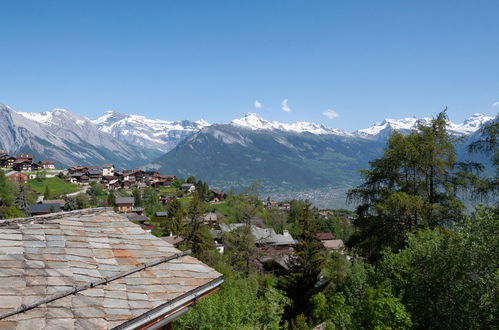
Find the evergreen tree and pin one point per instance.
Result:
(414, 184)
(47, 194)
(196, 234)
(137, 195)
(305, 266)
(22, 201)
(176, 215)
(241, 250)
(191, 179)
(111, 199)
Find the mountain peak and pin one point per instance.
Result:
(255, 122)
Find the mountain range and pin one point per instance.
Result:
(284, 157)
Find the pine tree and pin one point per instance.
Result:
(47, 193)
(196, 235)
(305, 266)
(414, 184)
(22, 201)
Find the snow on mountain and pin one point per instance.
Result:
(158, 134)
(64, 137)
(383, 129)
(253, 121)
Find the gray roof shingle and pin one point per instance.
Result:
(46, 255)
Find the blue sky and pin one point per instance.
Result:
(363, 60)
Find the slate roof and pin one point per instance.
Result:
(124, 200)
(45, 255)
(262, 235)
(334, 244)
(44, 208)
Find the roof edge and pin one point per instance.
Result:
(172, 307)
(53, 216)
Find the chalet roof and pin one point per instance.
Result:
(325, 236)
(94, 270)
(107, 166)
(136, 217)
(44, 208)
(47, 162)
(161, 214)
(262, 235)
(61, 202)
(124, 200)
(334, 244)
(94, 171)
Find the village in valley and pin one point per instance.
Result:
(161, 205)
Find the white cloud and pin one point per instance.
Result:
(284, 106)
(258, 104)
(331, 114)
(495, 104)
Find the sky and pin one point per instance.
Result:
(344, 64)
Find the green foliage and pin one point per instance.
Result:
(57, 186)
(22, 200)
(150, 200)
(196, 234)
(332, 309)
(413, 185)
(137, 195)
(305, 266)
(241, 250)
(47, 193)
(111, 199)
(191, 179)
(381, 310)
(242, 303)
(8, 190)
(82, 201)
(448, 279)
(11, 212)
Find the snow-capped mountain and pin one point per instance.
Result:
(140, 131)
(66, 138)
(381, 131)
(253, 121)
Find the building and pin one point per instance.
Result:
(324, 236)
(124, 204)
(94, 174)
(7, 161)
(41, 209)
(108, 170)
(17, 177)
(334, 245)
(22, 165)
(188, 187)
(28, 157)
(95, 270)
(61, 202)
(47, 164)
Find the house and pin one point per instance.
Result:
(17, 177)
(218, 196)
(7, 161)
(59, 272)
(22, 165)
(124, 204)
(161, 214)
(3, 153)
(324, 236)
(47, 164)
(137, 217)
(40, 209)
(210, 219)
(334, 245)
(27, 157)
(61, 202)
(94, 174)
(188, 187)
(173, 240)
(108, 170)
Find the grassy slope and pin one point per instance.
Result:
(56, 185)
